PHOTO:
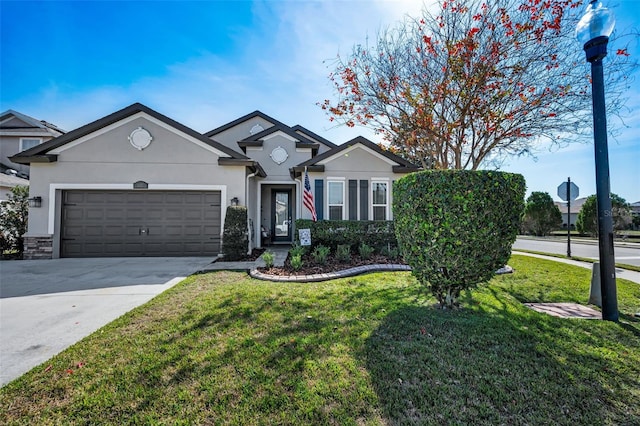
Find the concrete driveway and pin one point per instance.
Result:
(48, 305)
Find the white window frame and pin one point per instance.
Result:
(386, 204)
(340, 181)
(22, 148)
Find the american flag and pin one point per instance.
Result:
(308, 196)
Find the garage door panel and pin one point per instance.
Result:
(133, 214)
(174, 214)
(140, 223)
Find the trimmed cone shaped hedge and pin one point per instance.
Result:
(456, 227)
(235, 241)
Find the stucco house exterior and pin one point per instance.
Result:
(137, 183)
(19, 132)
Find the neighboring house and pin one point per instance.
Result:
(137, 183)
(7, 182)
(19, 132)
(576, 206)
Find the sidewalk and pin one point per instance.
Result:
(620, 273)
(280, 255)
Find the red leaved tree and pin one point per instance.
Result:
(479, 81)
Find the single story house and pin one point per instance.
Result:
(137, 183)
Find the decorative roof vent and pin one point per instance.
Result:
(140, 138)
(256, 129)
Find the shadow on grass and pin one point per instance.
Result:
(498, 364)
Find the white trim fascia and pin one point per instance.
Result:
(53, 187)
(305, 150)
(380, 178)
(328, 178)
(33, 133)
(279, 133)
(129, 119)
(351, 148)
(255, 148)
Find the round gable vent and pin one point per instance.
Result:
(256, 129)
(279, 155)
(140, 138)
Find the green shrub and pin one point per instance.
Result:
(268, 258)
(365, 251)
(390, 252)
(332, 233)
(343, 253)
(297, 250)
(235, 241)
(13, 220)
(296, 262)
(320, 254)
(455, 228)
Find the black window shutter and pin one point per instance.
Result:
(353, 199)
(319, 198)
(364, 200)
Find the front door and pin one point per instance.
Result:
(281, 214)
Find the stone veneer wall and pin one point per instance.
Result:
(38, 248)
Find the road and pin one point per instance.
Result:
(624, 253)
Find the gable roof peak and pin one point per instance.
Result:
(25, 157)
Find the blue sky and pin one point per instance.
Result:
(205, 63)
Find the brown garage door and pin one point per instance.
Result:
(140, 223)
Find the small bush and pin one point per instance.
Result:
(390, 252)
(296, 262)
(235, 241)
(343, 253)
(268, 258)
(320, 254)
(365, 250)
(13, 220)
(297, 250)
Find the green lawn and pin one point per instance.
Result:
(222, 348)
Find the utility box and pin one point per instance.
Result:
(595, 295)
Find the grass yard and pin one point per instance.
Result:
(222, 348)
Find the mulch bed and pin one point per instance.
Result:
(309, 267)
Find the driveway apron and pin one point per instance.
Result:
(48, 305)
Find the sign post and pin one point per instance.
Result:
(568, 191)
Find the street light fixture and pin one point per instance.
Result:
(593, 31)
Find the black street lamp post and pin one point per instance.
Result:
(593, 31)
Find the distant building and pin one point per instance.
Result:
(7, 182)
(635, 209)
(19, 132)
(576, 206)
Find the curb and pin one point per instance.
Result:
(254, 273)
(358, 270)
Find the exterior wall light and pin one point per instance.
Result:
(35, 201)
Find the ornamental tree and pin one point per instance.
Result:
(541, 215)
(475, 82)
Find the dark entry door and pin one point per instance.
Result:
(281, 214)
